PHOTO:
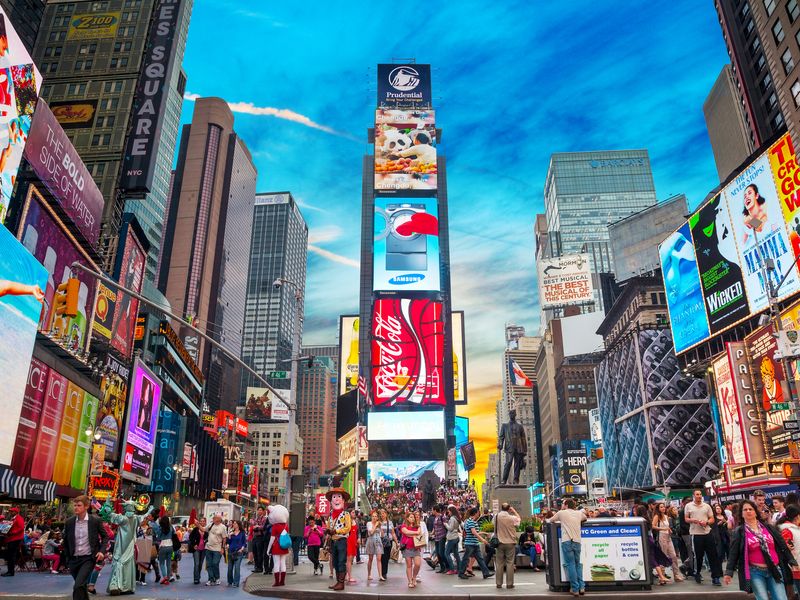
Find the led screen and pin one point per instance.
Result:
(142, 425)
(462, 437)
(403, 469)
(459, 357)
(405, 426)
(405, 150)
(348, 353)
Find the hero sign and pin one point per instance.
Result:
(407, 352)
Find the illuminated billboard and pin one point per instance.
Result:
(405, 426)
(130, 273)
(565, 280)
(459, 357)
(404, 86)
(403, 469)
(405, 150)
(730, 413)
(462, 438)
(142, 425)
(348, 354)
(407, 352)
(265, 406)
(406, 246)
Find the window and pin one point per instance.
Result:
(772, 101)
(760, 63)
(100, 5)
(61, 21)
(766, 83)
(64, 8)
(107, 121)
(122, 46)
(101, 139)
(87, 49)
(119, 63)
(127, 17)
(796, 92)
(788, 61)
(745, 11)
(793, 10)
(777, 121)
(57, 36)
(132, 3)
(126, 31)
(755, 45)
(76, 89)
(51, 68)
(83, 65)
(748, 29)
(112, 86)
(777, 32)
(110, 104)
(53, 51)
(770, 6)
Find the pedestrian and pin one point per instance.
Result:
(339, 525)
(374, 544)
(259, 539)
(237, 547)
(440, 538)
(352, 546)
(313, 535)
(789, 526)
(758, 552)
(472, 539)
(700, 518)
(720, 532)
(162, 531)
(412, 541)
(687, 548)
(571, 520)
(662, 529)
(52, 551)
(453, 527)
(13, 540)
(764, 512)
(505, 530)
(278, 546)
(177, 538)
(85, 541)
(388, 539)
(527, 545)
(778, 508)
(658, 559)
(215, 546)
(197, 547)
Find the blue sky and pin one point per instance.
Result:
(513, 82)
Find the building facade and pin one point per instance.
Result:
(269, 444)
(316, 412)
(576, 395)
(207, 243)
(278, 250)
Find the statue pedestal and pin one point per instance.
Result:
(517, 496)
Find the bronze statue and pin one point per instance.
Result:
(512, 440)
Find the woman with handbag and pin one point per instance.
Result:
(412, 542)
(663, 531)
(453, 527)
(388, 540)
(313, 534)
(237, 547)
(758, 553)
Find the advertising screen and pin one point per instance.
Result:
(113, 395)
(93, 26)
(405, 150)
(22, 282)
(611, 552)
(265, 406)
(406, 248)
(348, 354)
(729, 414)
(44, 236)
(467, 453)
(75, 114)
(59, 166)
(20, 82)
(459, 357)
(405, 426)
(404, 86)
(685, 301)
(565, 280)
(756, 215)
(462, 437)
(166, 455)
(407, 352)
(403, 469)
(142, 424)
(32, 405)
(130, 274)
(721, 274)
(573, 470)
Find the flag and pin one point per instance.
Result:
(362, 389)
(517, 375)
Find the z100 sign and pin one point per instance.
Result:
(407, 352)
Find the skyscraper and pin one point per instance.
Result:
(316, 411)
(92, 55)
(278, 249)
(207, 242)
(26, 16)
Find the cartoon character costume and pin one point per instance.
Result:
(339, 526)
(279, 518)
(123, 564)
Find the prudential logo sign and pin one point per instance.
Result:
(404, 78)
(404, 86)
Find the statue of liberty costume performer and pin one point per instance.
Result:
(123, 565)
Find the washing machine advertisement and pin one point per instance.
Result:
(406, 247)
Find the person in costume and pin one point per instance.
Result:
(279, 519)
(339, 526)
(123, 564)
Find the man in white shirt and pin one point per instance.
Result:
(217, 534)
(700, 517)
(571, 520)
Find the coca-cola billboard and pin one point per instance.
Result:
(407, 352)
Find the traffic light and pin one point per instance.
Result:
(791, 470)
(291, 462)
(65, 300)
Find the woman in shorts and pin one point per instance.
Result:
(410, 531)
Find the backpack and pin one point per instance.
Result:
(285, 540)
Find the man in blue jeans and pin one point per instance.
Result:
(472, 539)
(570, 520)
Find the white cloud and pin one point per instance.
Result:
(326, 233)
(338, 258)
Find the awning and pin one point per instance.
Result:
(25, 488)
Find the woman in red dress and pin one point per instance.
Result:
(352, 547)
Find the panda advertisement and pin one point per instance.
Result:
(405, 150)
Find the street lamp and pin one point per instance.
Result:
(95, 433)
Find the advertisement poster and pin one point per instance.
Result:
(265, 406)
(406, 249)
(687, 314)
(729, 414)
(111, 412)
(43, 235)
(322, 506)
(104, 311)
(20, 82)
(573, 470)
(32, 405)
(141, 425)
(93, 26)
(75, 114)
(83, 449)
(405, 150)
(462, 437)
(126, 308)
(756, 213)
(68, 438)
(407, 352)
(749, 404)
(348, 354)
(565, 280)
(22, 282)
(786, 172)
(611, 553)
(49, 427)
(771, 391)
(59, 166)
(459, 357)
(404, 86)
(721, 275)
(403, 469)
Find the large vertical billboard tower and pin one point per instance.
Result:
(406, 359)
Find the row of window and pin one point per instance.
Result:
(582, 411)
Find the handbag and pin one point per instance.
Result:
(324, 555)
(494, 541)
(285, 540)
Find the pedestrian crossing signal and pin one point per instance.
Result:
(291, 462)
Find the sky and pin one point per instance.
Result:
(513, 82)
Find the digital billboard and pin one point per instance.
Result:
(404, 86)
(22, 284)
(348, 353)
(459, 357)
(130, 274)
(685, 303)
(565, 280)
(405, 425)
(142, 424)
(405, 150)
(20, 82)
(462, 437)
(406, 245)
(265, 406)
(407, 352)
(403, 469)
(756, 215)
(110, 414)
